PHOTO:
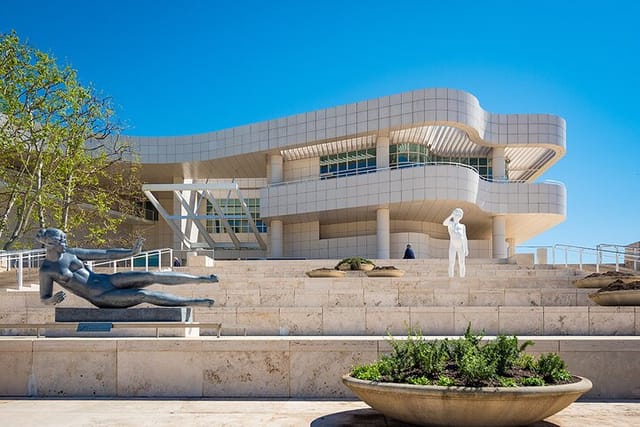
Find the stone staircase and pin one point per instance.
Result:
(275, 297)
(304, 333)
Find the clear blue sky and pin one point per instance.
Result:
(178, 68)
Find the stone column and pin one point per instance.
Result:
(382, 151)
(499, 235)
(382, 233)
(499, 164)
(511, 243)
(274, 164)
(275, 237)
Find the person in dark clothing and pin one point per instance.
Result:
(408, 252)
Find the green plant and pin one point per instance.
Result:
(476, 368)
(445, 381)
(552, 368)
(354, 263)
(532, 381)
(469, 361)
(507, 382)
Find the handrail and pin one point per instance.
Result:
(19, 260)
(130, 261)
(600, 254)
(16, 260)
(341, 174)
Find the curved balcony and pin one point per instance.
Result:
(425, 193)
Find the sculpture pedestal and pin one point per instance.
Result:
(99, 322)
(147, 314)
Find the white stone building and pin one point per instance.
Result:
(362, 179)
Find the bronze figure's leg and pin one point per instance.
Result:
(141, 279)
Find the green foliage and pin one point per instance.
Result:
(419, 381)
(505, 351)
(466, 361)
(526, 361)
(507, 382)
(354, 263)
(367, 372)
(532, 381)
(552, 368)
(445, 381)
(475, 368)
(62, 163)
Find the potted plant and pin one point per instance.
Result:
(620, 292)
(466, 381)
(385, 271)
(355, 263)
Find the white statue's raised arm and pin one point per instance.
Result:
(458, 244)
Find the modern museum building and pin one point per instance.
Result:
(361, 179)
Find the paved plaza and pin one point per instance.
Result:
(258, 412)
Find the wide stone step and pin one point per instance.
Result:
(379, 319)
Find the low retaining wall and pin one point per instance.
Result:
(287, 367)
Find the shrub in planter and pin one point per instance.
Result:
(355, 263)
(468, 362)
(466, 381)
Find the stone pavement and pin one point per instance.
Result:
(257, 412)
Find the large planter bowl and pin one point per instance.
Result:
(601, 282)
(466, 406)
(616, 298)
(385, 273)
(325, 273)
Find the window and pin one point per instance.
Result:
(349, 163)
(483, 165)
(406, 154)
(235, 216)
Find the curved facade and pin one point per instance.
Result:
(361, 179)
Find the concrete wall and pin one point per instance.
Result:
(305, 367)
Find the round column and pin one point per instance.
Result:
(511, 251)
(275, 237)
(382, 233)
(499, 235)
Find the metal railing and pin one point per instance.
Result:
(156, 258)
(346, 173)
(31, 259)
(21, 260)
(602, 254)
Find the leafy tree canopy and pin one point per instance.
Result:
(63, 163)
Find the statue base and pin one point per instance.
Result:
(102, 322)
(146, 314)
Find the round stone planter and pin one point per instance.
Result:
(385, 273)
(466, 406)
(601, 282)
(325, 273)
(619, 297)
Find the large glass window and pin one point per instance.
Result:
(405, 154)
(483, 165)
(349, 163)
(235, 214)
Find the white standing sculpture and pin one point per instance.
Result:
(458, 244)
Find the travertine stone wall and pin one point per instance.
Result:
(287, 367)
